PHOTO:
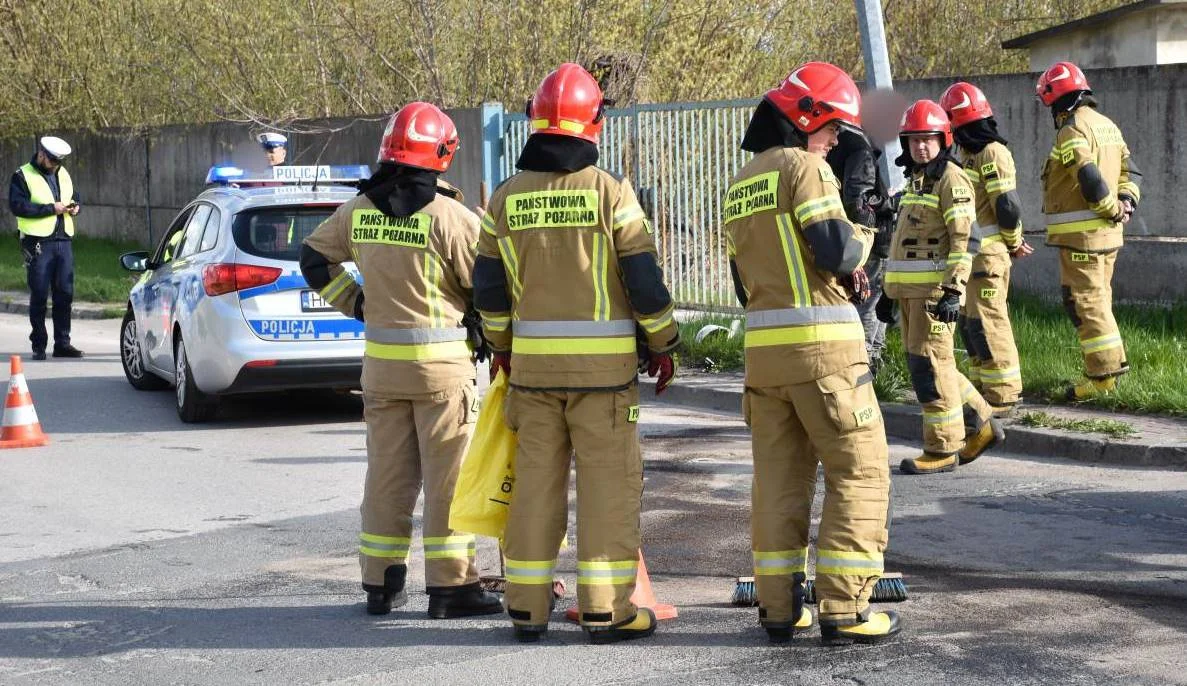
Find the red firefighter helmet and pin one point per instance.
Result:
(815, 94)
(568, 103)
(1062, 78)
(419, 135)
(925, 116)
(965, 103)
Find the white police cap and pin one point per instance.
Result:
(54, 147)
(271, 139)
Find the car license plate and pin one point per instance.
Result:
(312, 302)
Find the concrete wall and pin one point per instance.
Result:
(1128, 41)
(132, 184)
(1172, 36)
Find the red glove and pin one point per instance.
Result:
(858, 285)
(500, 360)
(663, 365)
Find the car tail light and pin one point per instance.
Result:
(261, 363)
(218, 279)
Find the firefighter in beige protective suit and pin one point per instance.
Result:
(567, 282)
(985, 321)
(931, 257)
(414, 246)
(1090, 191)
(809, 399)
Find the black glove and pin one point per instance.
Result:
(641, 350)
(473, 323)
(358, 307)
(884, 310)
(947, 310)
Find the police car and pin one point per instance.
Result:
(222, 308)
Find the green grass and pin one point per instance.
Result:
(1155, 340)
(718, 352)
(98, 276)
(1110, 427)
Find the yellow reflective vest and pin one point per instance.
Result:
(40, 193)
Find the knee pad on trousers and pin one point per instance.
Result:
(1069, 306)
(923, 378)
(977, 342)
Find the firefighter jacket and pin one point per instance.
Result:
(999, 223)
(416, 275)
(789, 241)
(1085, 176)
(934, 242)
(566, 271)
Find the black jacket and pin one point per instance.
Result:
(863, 190)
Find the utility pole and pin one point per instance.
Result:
(877, 63)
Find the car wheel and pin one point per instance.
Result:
(192, 404)
(133, 358)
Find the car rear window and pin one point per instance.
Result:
(276, 232)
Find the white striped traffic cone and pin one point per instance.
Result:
(21, 428)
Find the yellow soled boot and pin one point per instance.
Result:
(878, 626)
(989, 435)
(783, 634)
(1091, 388)
(929, 463)
(640, 626)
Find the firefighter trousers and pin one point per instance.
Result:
(1086, 280)
(834, 421)
(414, 441)
(600, 428)
(952, 408)
(987, 333)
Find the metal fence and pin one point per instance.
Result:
(679, 158)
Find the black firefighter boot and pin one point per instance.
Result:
(381, 599)
(469, 600)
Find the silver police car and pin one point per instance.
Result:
(222, 308)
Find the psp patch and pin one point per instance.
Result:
(1080, 257)
(938, 328)
(632, 414)
(865, 415)
(988, 293)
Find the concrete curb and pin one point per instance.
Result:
(905, 421)
(15, 305)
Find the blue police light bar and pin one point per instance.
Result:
(223, 175)
(298, 175)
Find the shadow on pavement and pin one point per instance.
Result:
(108, 404)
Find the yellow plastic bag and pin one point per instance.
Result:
(482, 495)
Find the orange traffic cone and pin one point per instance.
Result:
(21, 428)
(642, 597)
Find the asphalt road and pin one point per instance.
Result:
(137, 550)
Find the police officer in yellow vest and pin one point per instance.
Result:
(1090, 190)
(566, 279)
(42, 196)
(415, 249)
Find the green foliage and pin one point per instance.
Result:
(1110, 427)
(98, 276)
(138, 63)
